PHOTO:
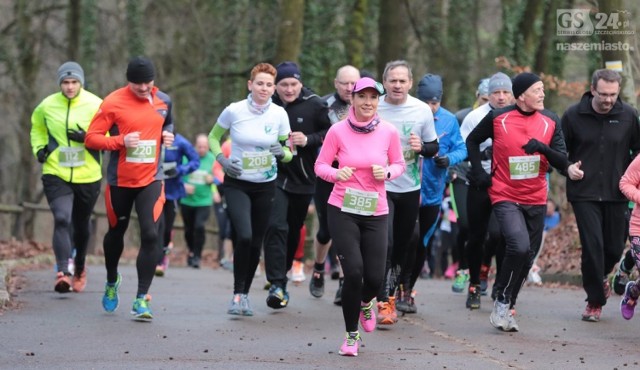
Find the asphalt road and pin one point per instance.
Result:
(191, 330)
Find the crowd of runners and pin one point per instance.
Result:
(383, 170)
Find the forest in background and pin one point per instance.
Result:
(203, 51)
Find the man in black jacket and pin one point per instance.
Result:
(602, 134)
(309, 121)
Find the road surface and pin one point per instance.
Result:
(191, 330)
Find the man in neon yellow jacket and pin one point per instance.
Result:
(71, 173)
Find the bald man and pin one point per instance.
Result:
(338, 104)
(339, 101)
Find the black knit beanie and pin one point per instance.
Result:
(522, 82)
(286, 70)
(140, 70)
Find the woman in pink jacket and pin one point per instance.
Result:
(629, 185)
(369, 153)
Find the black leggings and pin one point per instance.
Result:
(249, 207)
(71, 205)
(459, 195)
(283, 234)
(494, 244)
(169, 214)
(321, 199)
(403, 216)
(428, 222)
(149, 201)
(195, 219)
(165, 227)
(361, 244)
(479, 213)
(522, 227)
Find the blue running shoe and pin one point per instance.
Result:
(245, 306)
(110, 299)
(141, 310)
(234, 306)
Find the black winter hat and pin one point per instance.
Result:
(522, 82)
(286, 70)
(140, 70)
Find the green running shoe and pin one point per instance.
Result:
(110, 299)
(460, 282)
(141, 310)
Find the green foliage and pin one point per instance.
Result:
(135, 29)
(356, 38)
(509, 39)
(88, 41)
(460, 53)
(323, 52)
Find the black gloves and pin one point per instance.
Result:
(442, 162)
(42, 154)
(77, 135)
(535, 146)
(487, 153)
(230, 167)
(479, 178)
(171, 173)
(277, 151)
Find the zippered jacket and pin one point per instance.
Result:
(309, 115)
(67, 159)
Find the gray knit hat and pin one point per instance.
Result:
(499, 81)
(70, 70)
(483, 87)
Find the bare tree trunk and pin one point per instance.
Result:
(135, 34)
(435, 37)
(290, 31)
(392, 26)
(542, 62)
(27, 68)
(73, 30)
(88, 41)
(458, 92)
(355, 37)
(613, 8)
(527, 29)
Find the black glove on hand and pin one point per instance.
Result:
(534, 146)
(77, 135)
(230, 167)
(170, 173)
(487, 153)
(479, 178)
(277, 151)
(42, 155)
(442, 162)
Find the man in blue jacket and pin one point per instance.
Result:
(452, 150)
(179, 159)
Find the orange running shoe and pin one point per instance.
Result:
(386, 314)
(79, 281)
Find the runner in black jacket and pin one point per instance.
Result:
(602, 133)
(309, 121)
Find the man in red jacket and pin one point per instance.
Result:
(526, 139)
